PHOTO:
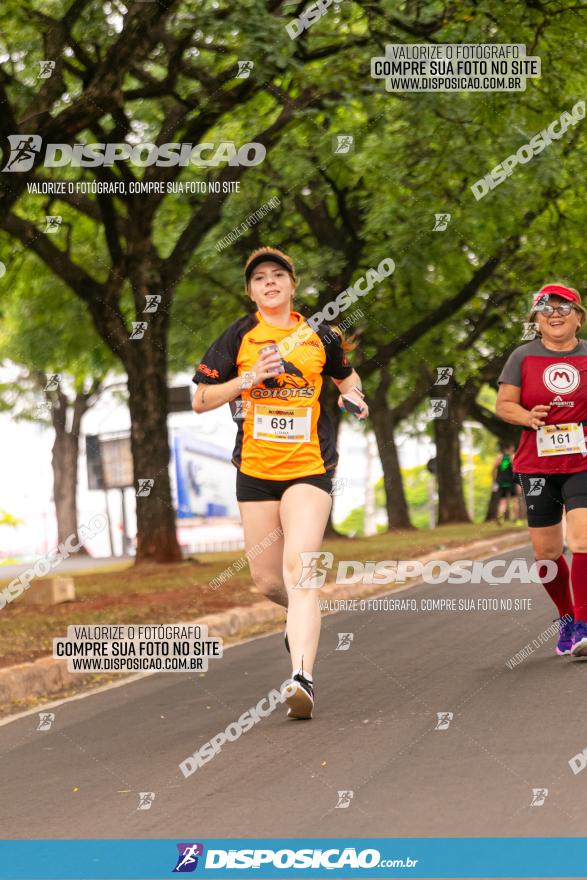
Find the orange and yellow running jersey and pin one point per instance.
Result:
(284, 431)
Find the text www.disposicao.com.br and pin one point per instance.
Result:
(135, 664)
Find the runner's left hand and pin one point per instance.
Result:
(358, 400)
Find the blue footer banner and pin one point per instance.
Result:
(293, 857)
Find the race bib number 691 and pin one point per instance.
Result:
(282, 424)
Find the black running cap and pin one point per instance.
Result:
(268, 258)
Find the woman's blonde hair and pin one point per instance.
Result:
(576, 305)
(348, 343)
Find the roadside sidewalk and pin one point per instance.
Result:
(48, 676)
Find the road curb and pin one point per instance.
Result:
(47, 675)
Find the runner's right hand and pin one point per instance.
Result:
(537, 415)
(268, 365)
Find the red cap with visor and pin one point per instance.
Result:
(555, 290)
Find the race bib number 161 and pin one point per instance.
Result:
(561, 439)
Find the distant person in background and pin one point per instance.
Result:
(504, 483)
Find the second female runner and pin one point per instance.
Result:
(543, 388)
(270, 366)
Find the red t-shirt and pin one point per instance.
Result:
(558, 378)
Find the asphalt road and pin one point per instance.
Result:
(374, 733)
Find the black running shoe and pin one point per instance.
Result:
(298, 693)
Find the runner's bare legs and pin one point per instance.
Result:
(304, 514)
(547, 541)
(576, 531)
(260, 521)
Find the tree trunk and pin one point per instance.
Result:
(64, 461)
(156, 529)
(146, 365)
(145, 358)
(398, 515)
(451, 500)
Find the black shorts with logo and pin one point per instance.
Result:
(547, 494)
(257, 489)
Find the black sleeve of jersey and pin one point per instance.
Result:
(336, 364)
(219, 363)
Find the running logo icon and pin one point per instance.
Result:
(338, 485)
(536, 485)
(441, 222)
(443, 375)
(146, 799)
(539, 795)
(138, 329)
(344, 799)
(23, 150)
(242, 409)
(342, 144)
(53, 381)
(438, 408)
(52, 223)
(312, 577)
(46, 69)
(187, 860)
(46, 719)
(444, 719)
(344, 641)
(244, 69)
(153, 300)
(43, 409)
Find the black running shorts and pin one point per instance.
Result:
(256, 489)
(507, 491)
(547, 494)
